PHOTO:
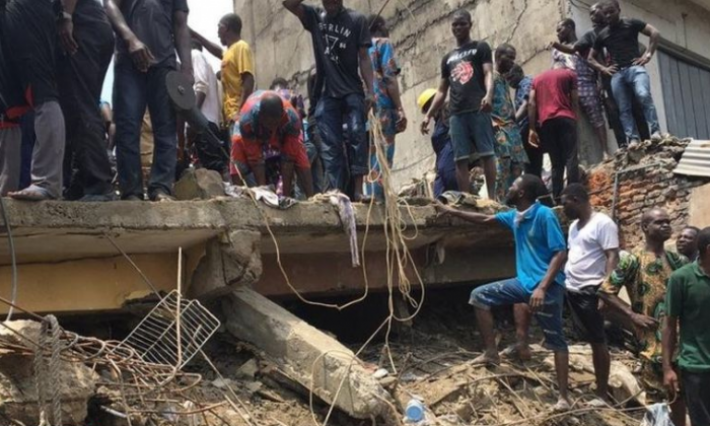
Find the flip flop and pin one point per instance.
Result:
(597, 403)
(483, 359)
(512, 352)
(33, 193)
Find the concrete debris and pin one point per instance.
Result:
(222, 383)
(199, 184)
(18, 383)
(248, 370)
(310, 357)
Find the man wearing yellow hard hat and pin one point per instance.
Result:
(441, 143)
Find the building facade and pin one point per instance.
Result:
(420, 30)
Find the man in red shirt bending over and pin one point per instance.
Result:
(270, 126)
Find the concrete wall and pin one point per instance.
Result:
(421, 33)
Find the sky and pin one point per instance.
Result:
(204, 16)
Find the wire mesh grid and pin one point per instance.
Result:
(155, 339)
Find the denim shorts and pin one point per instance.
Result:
(472, 135)
(511, 292)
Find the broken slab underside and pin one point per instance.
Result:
(68, 264)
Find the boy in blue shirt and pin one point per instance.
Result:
(540, 252)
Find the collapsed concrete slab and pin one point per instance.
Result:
(18, 382)
(237, 242)
(231, 261)
(314, 359)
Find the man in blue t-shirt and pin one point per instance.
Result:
(540, 254)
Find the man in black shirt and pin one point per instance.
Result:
(149, 33)
(86, 37)
(341, 39)
(29, 37)
(468, 72)
(629, 78)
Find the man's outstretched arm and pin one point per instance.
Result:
(182, 43)
(295, 7)
(212, 47)
(467, 216)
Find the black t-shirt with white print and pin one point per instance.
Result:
(463, 68)
(337, 41)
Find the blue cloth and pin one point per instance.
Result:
(521, 95)
(331, 114)
(133, 91)
(511, 292)
(386, 69)
(472, 135)
(445, 164)
(538, 238)
(626, 84)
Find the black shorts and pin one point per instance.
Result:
(588, 321)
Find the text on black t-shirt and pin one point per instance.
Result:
(337, 41)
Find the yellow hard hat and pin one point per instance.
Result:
(424, 98)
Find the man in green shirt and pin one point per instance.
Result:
(688, 302)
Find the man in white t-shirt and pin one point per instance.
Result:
(207, 96)
(593, 255)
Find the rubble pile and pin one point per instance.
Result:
(639, 178)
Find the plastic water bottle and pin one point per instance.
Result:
(415, 411)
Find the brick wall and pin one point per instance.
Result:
(645, 180)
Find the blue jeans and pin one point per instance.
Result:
(331, 114)
(626, 84)
(511, 292)
(133, 91)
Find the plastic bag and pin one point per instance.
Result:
(657, 415)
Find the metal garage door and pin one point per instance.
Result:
(686, 95)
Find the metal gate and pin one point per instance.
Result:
(686, 96)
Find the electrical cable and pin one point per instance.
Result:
(11, 243)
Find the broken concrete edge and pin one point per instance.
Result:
(313, 359)
(18, 381)
(232, 260)
(218, 214)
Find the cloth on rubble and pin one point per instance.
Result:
(266, 195)
(347, 218)
(657, 415)
(458, 198)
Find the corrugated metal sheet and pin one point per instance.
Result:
(695, 160)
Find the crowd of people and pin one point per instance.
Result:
(669, 292)
(54, 76)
